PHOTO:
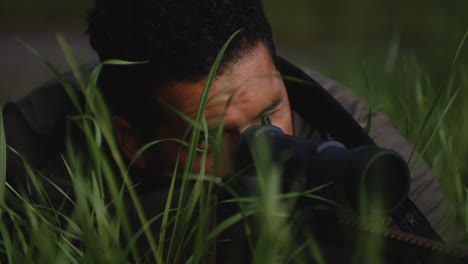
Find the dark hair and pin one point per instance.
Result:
(179, 38)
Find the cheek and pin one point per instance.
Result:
(162, 157)
(221, 162)
(165, 159)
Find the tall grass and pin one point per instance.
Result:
(429, 109)
(90, 221)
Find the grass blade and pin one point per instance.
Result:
(179, 223)
(434, 131)
(3, 151)
(74, 65)
(71, 92)
(438, 97)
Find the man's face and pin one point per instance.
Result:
(247, 91)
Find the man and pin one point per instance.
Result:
(180, 40)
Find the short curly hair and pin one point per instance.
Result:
(179, 38)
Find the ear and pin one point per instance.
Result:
(129, 140)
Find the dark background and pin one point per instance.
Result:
(335, 37)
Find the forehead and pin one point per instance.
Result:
(251, 81)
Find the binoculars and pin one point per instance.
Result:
(368, 176)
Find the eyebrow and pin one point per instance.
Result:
(267, 109)
(272, 106)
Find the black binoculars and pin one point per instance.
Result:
(369, 176)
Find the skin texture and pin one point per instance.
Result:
(247, 90)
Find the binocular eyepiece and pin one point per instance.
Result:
(368, 176)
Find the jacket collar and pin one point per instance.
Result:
(310, 100)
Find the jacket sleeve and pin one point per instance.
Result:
(35, 128)
(425, 191)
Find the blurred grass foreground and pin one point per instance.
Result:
(422, 86)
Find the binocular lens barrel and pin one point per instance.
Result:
(368, 176)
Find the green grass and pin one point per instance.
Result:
(91, 222)
(428, 108)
